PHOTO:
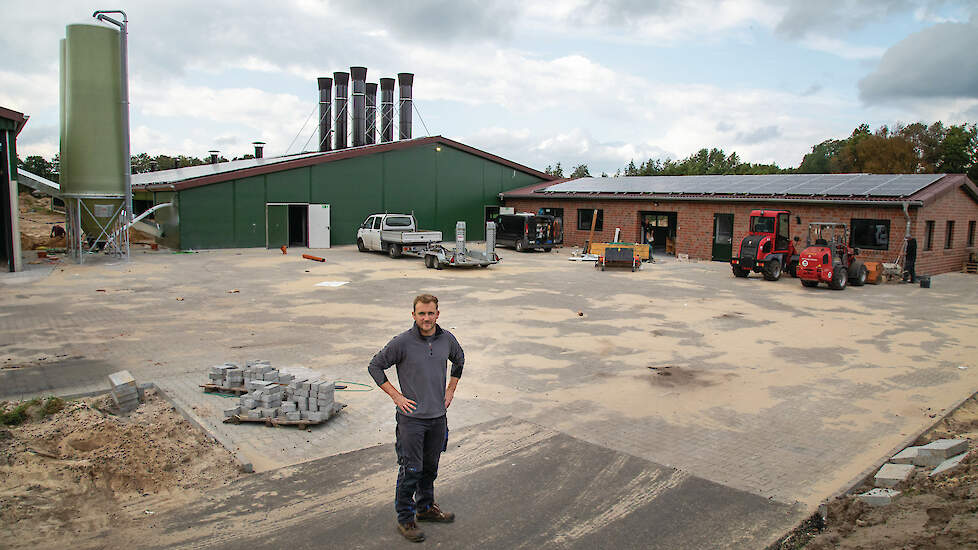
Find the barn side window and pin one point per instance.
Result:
(929, 235)
(870, 234)
(949, 237)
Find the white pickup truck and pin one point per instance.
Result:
(395, 234)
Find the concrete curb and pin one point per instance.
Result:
(243, 463)
(849, 487)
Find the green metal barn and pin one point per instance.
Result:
(320, 199)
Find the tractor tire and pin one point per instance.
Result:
(859, 274)
(739, 271)
(394, 250)
(546, 249)
(839, 278)
(360, 246)
(518, 245)
(772, 270)
(792, 269)
(808, 283)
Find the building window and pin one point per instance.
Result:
(929, 235)
(971, 233)
(584, 219)
(870, 234)
(949, 237)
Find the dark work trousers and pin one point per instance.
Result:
(419, 443)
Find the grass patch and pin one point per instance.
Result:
(22, 412)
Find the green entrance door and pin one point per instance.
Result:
(276, 225)
(722, 237)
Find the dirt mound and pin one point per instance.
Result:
(83, 470)
(930, 514)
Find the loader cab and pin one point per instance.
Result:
(767, 248)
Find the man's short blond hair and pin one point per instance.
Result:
(425, 299)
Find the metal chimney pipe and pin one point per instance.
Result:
(359, 77)
(371, 113)
(214, 154)
(341, 82)
(325, 116)
(386, 110)
(405, 84)
(259, 147)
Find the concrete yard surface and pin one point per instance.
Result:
(746, 387)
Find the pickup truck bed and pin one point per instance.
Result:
(410, 237)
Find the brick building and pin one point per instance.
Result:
(706, 216)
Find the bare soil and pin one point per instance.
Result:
(83, 474)
(36, 220)
(930, 514)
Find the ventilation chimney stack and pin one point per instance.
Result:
(259, 147)
(214, 154)
(406, 83)
(325, 116)
(371, 113)
(359, 77)
(386, 110)
(341, 82)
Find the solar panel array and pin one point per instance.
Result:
(844, 185)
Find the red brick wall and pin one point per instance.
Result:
(694, 233)
(954, 205)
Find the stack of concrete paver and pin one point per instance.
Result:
(124, 391)
(275, 394)
(938, 456)
(228, 375)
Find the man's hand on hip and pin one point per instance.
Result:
(404, 404)
(449, 394)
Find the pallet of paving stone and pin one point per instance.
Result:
(274, 422)
(214, 388)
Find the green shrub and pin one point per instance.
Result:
(53, 405)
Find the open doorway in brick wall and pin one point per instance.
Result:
(659, 229)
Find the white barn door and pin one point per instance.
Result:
(318, 226)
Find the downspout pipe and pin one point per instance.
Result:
(124, 43)
(148, 212)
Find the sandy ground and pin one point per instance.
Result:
(69, 479)
(36, 220)
(931, 514)
(785, 392)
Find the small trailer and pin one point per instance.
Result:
(618, 256)
(437, 256)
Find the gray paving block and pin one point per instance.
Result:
(948, 464)
(122, 378)
(905, 456)
(891, 475)
(878, 496)
(935, 452)
(293, 416)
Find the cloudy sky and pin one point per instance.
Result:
(599, 82)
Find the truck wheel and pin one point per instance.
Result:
(360, 246)
(429, 262)
(860, 274)
(519, 246)
(839, 278)
(739, 271)
(772, 270)
(809, 283)
(793, 269)
(394, 250)
(546, 249)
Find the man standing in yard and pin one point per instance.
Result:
(421, 355)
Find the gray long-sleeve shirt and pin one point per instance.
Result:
(421, 364)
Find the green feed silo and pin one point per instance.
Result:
(92, 153)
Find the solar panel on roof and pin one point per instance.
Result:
(882, 185)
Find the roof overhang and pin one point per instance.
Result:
(19, 119)
(897, 203)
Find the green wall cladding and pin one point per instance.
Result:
(439, 186)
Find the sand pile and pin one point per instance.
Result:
(36, 220)
(81, 470)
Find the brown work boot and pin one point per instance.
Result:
(411, 532)
(435, 514)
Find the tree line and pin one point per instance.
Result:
(912, 149)
(141, 163)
